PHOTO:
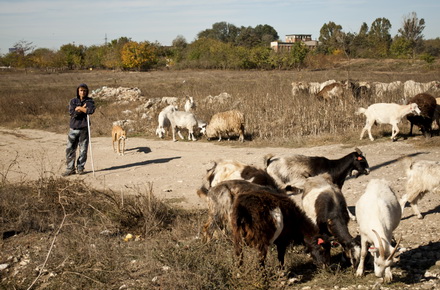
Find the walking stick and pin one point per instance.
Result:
(90, 144)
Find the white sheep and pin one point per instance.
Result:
(378, 214)
(227, 123)
(185, 120)
(386, 113)
(163, 121)
(423, 176)
(412, 88)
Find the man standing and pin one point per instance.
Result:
(79, 108)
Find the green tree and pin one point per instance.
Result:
(298, 54)
(330, 37)
(112, 58)
(20, 56)
(223, 31)
(72, 56)
(379, 37)
(412, 30)
(401, 47)
(266, 34)
(95, 56)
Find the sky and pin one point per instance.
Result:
(53, 23)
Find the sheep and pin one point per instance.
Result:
(325, 205)
(180, 119)
(261, 218)
(290, 173)
(163, 121)
(386, 113)
(423, 176)
(229, 122)
(219, 199)
(380, 89)
(427, 105)
(412, 88)
(378, 214)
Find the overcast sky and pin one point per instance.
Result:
(52, 23)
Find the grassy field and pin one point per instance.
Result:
(273, 116)
(60, 234)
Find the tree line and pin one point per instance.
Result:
(226, 46)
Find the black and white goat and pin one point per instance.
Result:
(324, 203)
(291, 172)
(423, 176)
(261, 218)
(378, 214)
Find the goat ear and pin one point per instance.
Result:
(372, 250)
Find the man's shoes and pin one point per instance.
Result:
(68, 172)
(81, 171)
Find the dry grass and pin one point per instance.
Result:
(36, 100)
(86, 227)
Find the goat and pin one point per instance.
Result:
(378, 214)
(224, 169)
(423, 176)
(180, 119)
(290, 173)
(190, 105)
(324, 203)
(163, 121)
(436, 116)
(220, 198)
(229, 122)
(261, 218)
(427, 105)
(386, 113)
(329, 91)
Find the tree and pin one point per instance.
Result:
(72, 56)
(222, 31)
(330, 37)
(379, 37)
(266, 34)
(19, 57)
(298, 54)
(42, 58)
(412, 29)
(140, 56)
(401, 47)
(112, 57)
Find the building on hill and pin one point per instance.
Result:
(294, 38)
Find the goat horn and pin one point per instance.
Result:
(395, 249)
(358, 151)
(381, 248)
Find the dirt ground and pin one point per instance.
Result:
(176, 169)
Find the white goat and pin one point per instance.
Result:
(180, 119)
(229, 122)
(378, 214)
(190, 105)
(163, 121)
(423, 176)
(386, 113)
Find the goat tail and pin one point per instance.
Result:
(268, 159)
(361, 111)
(202, 192)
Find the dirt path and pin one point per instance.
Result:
(176, 169)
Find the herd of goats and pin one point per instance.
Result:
(254, 206)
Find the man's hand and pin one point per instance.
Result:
(82, 109)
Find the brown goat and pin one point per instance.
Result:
(261, 218)
(220, 199)
(427, 105)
